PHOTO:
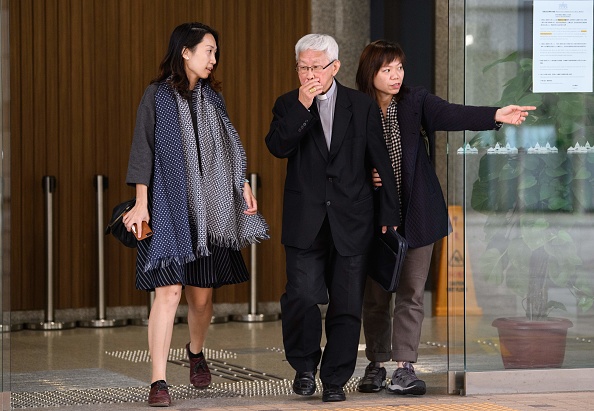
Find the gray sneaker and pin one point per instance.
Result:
(374, 379)
(404, 381)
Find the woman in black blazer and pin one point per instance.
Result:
(424, 216)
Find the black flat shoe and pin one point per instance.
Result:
(305, 383)
(333, 393)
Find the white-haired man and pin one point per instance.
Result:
(331, 136)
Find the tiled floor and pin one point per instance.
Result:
(90, 369)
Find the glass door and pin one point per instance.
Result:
(4, 208)
(526, 198)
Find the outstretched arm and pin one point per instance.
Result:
(513, 114)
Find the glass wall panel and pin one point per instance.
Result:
(528, 200)
(4, 210)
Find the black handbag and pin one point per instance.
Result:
(387, 258)
(116, 225)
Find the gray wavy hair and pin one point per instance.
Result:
(317, 42)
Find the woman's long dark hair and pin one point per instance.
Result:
(187, 35)
(373, 58)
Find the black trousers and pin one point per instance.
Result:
(319, 275)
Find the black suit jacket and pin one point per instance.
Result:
(424, 209)
(336, 183)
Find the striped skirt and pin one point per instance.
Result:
(223, 266)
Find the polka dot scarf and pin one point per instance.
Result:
(197, 203)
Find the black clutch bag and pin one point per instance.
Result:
(387, 258)
(117, 228)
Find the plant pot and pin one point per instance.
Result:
(532, 344)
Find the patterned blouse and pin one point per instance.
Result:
(393, 138)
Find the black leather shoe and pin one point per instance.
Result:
(304, 383)
(333, 393)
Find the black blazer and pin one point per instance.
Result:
(336, 183)
(423, 207)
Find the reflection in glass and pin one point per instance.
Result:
(529, 223)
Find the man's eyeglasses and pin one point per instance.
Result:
(315, 69)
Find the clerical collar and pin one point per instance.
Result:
(329, 93)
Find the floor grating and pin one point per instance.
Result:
(260, 385)
(118, 395)
(232, 372)
(74, 379)
(174, 354)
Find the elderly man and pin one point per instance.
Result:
(332, 138)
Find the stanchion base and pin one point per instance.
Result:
(253, 318)
(102, 323)
(6, 328)
(216, 319)
(138, 321)
(51, 325)
(145, 321)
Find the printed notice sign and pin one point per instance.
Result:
(562, 44)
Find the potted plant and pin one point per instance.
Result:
(529, 247)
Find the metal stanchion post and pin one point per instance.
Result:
(100, 322)
(253, 315)
(149, 306)
(144, 321)
(49, 186)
